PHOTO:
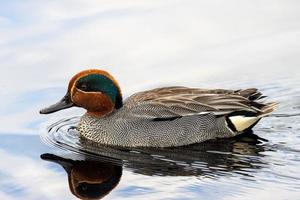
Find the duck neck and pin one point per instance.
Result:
(99, 114)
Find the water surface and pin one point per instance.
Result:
(147, 44)
(262, 161)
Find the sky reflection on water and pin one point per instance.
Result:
(147, 44)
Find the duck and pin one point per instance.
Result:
(160, 117)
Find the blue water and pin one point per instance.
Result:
(147, 44)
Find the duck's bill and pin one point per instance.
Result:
(62, 104)
(64, 162)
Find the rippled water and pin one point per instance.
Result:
(145, 44)
(263, 163)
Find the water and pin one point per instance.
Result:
(147, 44)
(264, 162)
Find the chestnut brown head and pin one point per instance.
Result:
(95, 90)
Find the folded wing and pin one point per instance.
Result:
(170, 102)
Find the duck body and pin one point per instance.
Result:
(124, 129)
(162, 117)
(172, 116)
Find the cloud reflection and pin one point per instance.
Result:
(24, 177)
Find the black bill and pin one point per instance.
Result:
(64, 103)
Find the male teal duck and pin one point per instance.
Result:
(161, 117)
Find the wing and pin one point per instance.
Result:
(173, 102)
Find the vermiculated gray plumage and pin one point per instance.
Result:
(175, 116)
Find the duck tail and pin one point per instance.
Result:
(267, 109)
(245, 122)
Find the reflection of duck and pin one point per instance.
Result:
(206, 158)
(94, 179)
(162, 117)
(88, 179)
(210, 159)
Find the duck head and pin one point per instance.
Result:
(88, 179)
(95, 90)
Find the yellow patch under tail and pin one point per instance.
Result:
(241, 123)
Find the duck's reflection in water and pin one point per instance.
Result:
(100, 172)
(209, 158)
(88, 179)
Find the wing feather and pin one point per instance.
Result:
(181, 101)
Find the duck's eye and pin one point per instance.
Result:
(83, 87)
